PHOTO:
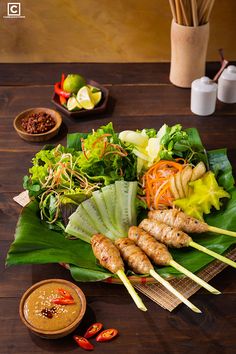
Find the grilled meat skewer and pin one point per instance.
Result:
(107, 253)
(134, 256)
(182, 221)
(170, 236)
(161, 256)
(173, 237)
(109, 257)
(139, 263)
(178, 219)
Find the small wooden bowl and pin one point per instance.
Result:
(54, 334)
(100, 108)
(42, 136)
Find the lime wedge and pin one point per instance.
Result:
(93, 88)
(96, 97)
(73, 104)
(85, 98)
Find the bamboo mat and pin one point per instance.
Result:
(158, 292)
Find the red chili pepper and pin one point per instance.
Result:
(62, 100)
(62, 80)
(83, 343)
(93, 329)
(63, 301)
(65, 294)
(107, 335)
(59, 91)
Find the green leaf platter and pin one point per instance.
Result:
(35, 243)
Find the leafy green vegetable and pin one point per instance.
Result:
(179, 143)
(104, 158)
(167, 144)
(172, 136)
(55, 179)
(64, 175)
(151, 132)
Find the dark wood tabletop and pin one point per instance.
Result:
(140, 96)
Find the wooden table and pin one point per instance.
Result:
(140, 96)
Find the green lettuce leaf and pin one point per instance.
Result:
(100, 162)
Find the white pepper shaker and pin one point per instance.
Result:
(227, 85)
(203, 96)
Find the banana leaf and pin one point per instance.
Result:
(35, 243)
(74, 140)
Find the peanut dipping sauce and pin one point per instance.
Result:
(41, 313)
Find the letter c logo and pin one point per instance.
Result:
(14, 9)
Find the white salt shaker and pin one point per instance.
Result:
(203, 96)
(227, 85)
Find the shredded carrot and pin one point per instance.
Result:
(100, 138)
(83, 148)
(156, 183)
(179, 159)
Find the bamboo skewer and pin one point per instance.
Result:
(109, 257)
(194, 277)
(139, 262)
(169, 287)
(221, 231)
(131, 291)
(179, 222)
(212, 254)
(141, 236)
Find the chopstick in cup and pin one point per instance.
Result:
(173, 10)
(194, 12)
(183, 9)
(178, 12)
(203, 10)
(191, 12)
(208, 13)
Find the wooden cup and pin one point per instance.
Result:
(188, 53)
